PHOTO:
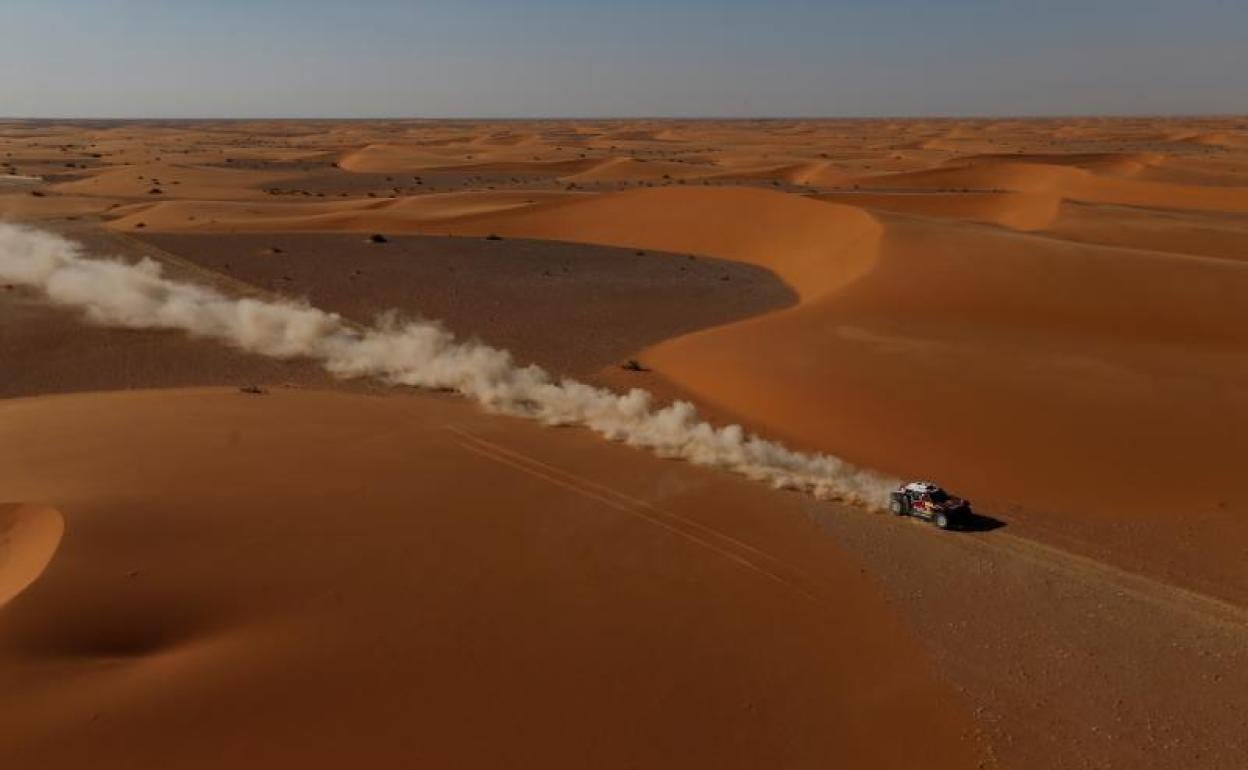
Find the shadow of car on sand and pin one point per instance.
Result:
(978, 522)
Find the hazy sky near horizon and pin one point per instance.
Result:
(520, 58)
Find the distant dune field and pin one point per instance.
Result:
(1046, 316)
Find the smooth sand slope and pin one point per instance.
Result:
(1067, 395)
(1070, 181)
(313, 579)
(1028, 211)
(29, 536)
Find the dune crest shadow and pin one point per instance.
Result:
(29, 537)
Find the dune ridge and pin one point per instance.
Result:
(414, 354)
(817, 248)
(29, 537)
(1071, 179)
(364, 581)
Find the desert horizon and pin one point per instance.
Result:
(618, 442)
(780, 276)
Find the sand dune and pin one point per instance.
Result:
(967, 285)
(506, 139)
(642, 135)
(1214, 138)
(452, 206)
(815, 247)
(416, 608)
(1101, 162)
(1160, 195)
(399, 158)
(29, 536)
(382, 157)
(1044, 315)
(172, 181)
(1068, 181)
(820, 249)
(983, 176)
(632, 169)
(1016, 210)
(947, 339)
(1208, 234)
(819, 174)
(528, 168)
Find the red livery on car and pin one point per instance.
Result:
(925, 500)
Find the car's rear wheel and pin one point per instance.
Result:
(897, 506)
(941, 521)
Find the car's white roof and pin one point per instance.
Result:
(921, 486)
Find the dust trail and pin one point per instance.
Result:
(417, 354)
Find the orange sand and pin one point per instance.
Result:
(1047, 316)
(314, 579)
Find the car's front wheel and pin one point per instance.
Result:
(941, 521)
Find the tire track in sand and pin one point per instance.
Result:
(741, 553)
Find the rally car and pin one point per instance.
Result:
(925, 500)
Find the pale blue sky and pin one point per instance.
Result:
(490, 58)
